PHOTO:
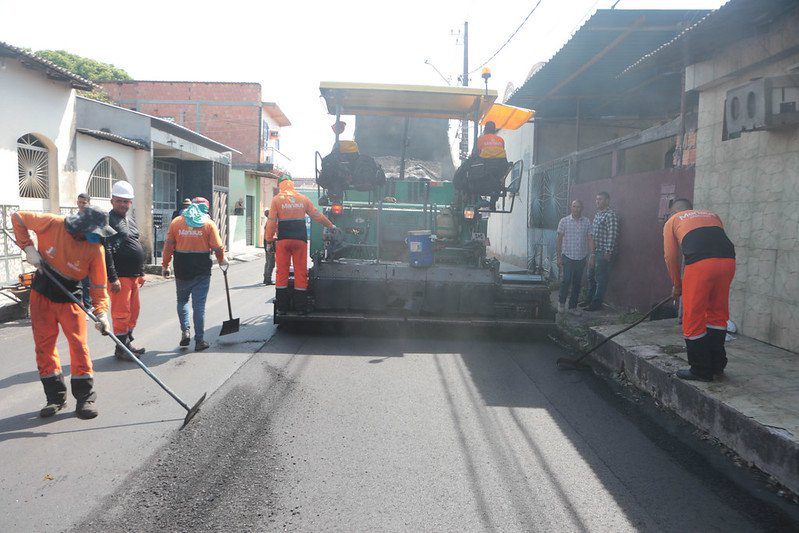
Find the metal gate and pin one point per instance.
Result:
(249, 219)
(221, 179)
(11, 260)
(548, 202)
(220, 213)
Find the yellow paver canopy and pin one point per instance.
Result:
(406, 100)
(507, 117)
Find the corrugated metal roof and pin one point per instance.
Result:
(50, 69)
(732, 22)
(108, 136)
(586, 68)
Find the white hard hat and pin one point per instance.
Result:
(122, 189)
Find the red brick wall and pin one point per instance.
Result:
(237, 126)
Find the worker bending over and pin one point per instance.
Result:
(125, 265)
(288, 212)
(705, 285)
(191, 238)
(71, 248)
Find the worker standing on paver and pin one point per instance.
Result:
(287, 218)
(125, 267)
(71, 247)
(192, 237)
(705, 285)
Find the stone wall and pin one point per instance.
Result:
(752, 182)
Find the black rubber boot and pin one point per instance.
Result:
(119, 353)
(56, 392)
(300, 302)
(700, 358)
(83, 391)
(135, 349)
(281, 300)
(715, 342)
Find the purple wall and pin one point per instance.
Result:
(639, 278)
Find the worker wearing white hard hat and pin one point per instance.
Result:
(125, 263)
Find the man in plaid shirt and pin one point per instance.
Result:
(605, 233)
(572, 246)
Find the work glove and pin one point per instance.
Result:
(102, 324)
(32, 256)
(140, 280)
(165, 271)
(223, 263)
(116, 286)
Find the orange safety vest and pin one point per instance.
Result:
(491, 146)
(287, 214)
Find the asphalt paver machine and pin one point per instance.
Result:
(412, 249)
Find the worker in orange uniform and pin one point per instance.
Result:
(705, 285)
(288, 212)
(490, 145)
(191, 238)
(71, 248)
(491, 148)
(125, 268)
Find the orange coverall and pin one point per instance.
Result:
(287, 217)
(72, 260)
(709, 269)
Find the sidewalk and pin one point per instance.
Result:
(753, 409)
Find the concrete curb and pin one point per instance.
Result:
(651, 370)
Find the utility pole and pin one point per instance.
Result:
(464, 145)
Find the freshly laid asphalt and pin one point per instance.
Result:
(345, 431)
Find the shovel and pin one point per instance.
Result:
(191, 411)
(232, 325)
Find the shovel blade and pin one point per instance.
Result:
(229, 326)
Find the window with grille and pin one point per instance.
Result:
(105, 173)
(33, 161)
(221, 175)
(165, 185)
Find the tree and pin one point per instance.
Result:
(87, 68)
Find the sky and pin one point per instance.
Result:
(290, 46)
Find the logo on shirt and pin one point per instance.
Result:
(190, 233)
(292, 206)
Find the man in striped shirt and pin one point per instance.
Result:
(573, 244)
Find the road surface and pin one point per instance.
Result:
(346, 432)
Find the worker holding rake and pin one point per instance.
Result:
(69, 248)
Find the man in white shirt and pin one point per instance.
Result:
(573, 245)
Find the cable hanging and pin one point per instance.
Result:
(512, 35)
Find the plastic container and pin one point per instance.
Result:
(420, 248)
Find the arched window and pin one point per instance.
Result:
(105, 173)
(33, 160)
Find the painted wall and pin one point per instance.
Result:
(32, 103)
(89, 151)
(241, 186)
(639, 278)
(753, 183)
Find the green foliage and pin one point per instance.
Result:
(83, 66)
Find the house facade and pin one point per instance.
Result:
(234, 114)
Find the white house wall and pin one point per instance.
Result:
(89, 152)
(32, 103)
(508, 232)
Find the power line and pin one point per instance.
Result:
(512, 35)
